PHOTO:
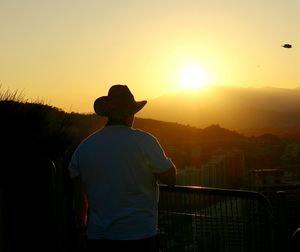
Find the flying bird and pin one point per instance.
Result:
(287, 46)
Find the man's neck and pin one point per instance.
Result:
(113, 121)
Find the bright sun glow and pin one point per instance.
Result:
(193, 78)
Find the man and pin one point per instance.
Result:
(118, 168)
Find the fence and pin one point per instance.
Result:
(210, 219)
(286, 204)
(201, 219)
(190, 218)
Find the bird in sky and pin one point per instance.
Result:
(287, 46)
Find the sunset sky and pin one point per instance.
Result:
(67, 53)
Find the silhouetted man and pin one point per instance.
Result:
(118, 168)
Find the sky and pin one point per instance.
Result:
(66, 53)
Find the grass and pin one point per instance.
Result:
(8, 95)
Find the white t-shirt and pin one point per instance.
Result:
(117, 166)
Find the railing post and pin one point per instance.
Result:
(281, 235)
(54, 204)
(63, 199)
(2, 221)
(59, 205)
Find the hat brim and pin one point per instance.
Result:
(102, 108)
(139, 106)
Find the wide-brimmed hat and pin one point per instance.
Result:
(118, 103)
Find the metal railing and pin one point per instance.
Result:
(285, 201)
(211, 219)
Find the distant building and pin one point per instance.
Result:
(272, 177)
(189, 176)
(290, 178)
(223, 170)
(265, 177)
(212, 173)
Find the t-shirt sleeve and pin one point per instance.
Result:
(157, 159)
(73, 167)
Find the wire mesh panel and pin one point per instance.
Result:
(209, 219)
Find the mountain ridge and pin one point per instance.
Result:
(237, 108)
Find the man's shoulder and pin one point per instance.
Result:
(144, 136)
(90, 138)
(142, 133)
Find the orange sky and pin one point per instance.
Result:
(67, 53)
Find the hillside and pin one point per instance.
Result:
(49, 131)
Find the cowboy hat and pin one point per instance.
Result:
(118, 103)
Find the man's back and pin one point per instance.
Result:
(117, 166)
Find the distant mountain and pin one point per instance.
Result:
(246, 110)
(174, 132)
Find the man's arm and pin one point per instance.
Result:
(168, 177)
(80, 204)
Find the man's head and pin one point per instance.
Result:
(118, 104)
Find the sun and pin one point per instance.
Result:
(192, 77)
